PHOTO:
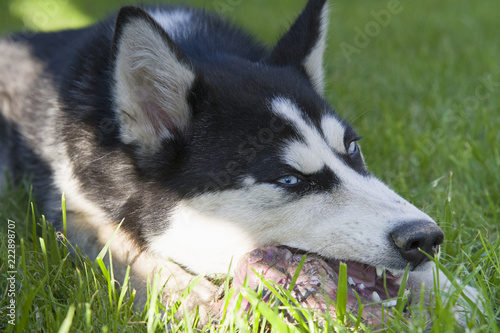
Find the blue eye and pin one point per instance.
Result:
(353, 148)
(289, 180)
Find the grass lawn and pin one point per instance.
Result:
(419, 80)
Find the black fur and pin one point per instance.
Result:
(230, 67)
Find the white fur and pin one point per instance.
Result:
(151, 87)
(205, 243)
(175, 22)
(313, 63)
(334, 133)
(298, 156)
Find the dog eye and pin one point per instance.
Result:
(289, 180)
(353, 148)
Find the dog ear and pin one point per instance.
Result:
(304, 44)
(152, 81)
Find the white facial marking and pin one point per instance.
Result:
(334, 132)
(286, 109)
(314, 142)
(298, 156)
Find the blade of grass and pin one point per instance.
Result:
(65, 224)
(107, 245)
(278, 292)
(297, 273)
(123, 292)
(402, 300)
(33, 230)
(341, 299)
(68, 321)
(271, 315)
(151, 314)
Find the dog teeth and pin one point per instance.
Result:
(361, 286)
(399, 280)
(376, 297)
(397, 272)
(351, 281)
(380, 271)
(391, 303)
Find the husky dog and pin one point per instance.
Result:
(206, 145)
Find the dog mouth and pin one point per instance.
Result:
(371, 283)
(371, 286)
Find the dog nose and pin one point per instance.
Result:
(412, 237)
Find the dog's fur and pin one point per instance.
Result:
(206, 144)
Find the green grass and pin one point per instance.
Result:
(418, 93)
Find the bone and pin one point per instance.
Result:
(317, 282)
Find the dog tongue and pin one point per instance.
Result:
(360, 273)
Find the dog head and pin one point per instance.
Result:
(251, 152)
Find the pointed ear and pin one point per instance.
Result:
(304, 44)
(152, 81)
